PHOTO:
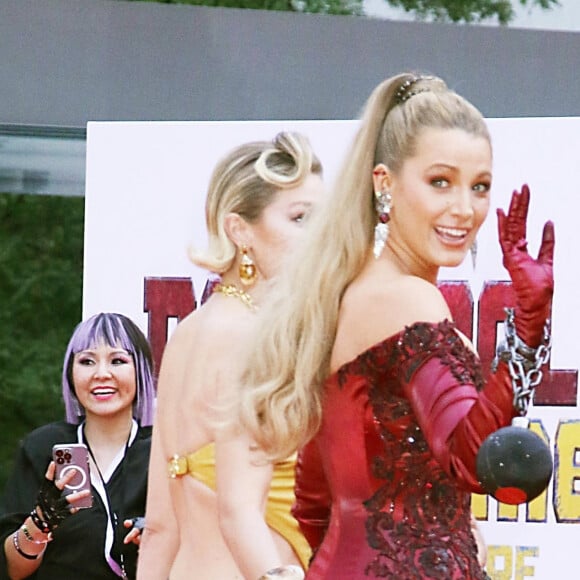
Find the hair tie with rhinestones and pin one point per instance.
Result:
(404, 93)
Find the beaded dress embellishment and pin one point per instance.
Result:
(416, 513)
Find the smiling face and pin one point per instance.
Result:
(104, 381)
(281, 224)
(440, 199)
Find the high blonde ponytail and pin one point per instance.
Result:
(287, 364)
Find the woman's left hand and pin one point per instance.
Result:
(532, 279)
(136, 526)
(53, 506)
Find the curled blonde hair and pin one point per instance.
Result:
(282, 394)
(245, 182)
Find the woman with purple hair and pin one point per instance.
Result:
(108, 392)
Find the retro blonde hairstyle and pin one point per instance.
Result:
(286, 366)
(245, 181)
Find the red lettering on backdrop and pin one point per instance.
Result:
(166, 298)
(558, 387)
(460, 300)
(175, 298)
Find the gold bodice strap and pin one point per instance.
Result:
(201, 466)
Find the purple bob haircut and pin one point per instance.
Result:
(113, 330)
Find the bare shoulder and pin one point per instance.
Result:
(417, 298)
(373, 310)
(211, 326)
(205, 345)
(401, 301)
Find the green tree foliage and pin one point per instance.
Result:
(439, 10)
(345, 7)
(468, 10)
(41, 253)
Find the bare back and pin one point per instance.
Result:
(197, 374)
(197, 380)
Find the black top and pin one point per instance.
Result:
(77, 549)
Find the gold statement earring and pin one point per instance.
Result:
(383, 206)
(247, 270)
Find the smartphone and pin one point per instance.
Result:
(67, 456)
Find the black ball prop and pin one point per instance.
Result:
(514, 465)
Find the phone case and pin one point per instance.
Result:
(73, 455)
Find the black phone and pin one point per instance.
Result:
(67, 456)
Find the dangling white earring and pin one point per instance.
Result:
(473, 252)
(383, 205)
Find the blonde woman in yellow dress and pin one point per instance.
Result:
(259, 197)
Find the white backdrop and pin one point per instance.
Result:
(145, 194)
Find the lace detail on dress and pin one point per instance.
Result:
(417, 513)
(422, 341)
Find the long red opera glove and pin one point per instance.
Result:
(455, 418)
(312, 506)
(532, 280)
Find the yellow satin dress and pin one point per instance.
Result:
(201, 465)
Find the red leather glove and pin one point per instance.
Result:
(312, 506)
(532, 280)
(455, 418)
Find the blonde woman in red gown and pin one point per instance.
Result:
(358, 354)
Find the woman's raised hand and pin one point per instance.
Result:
(532, 279)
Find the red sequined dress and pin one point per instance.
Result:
(383, 490)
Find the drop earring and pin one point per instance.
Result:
(247, 269)
(383, 206)
(473, 252)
